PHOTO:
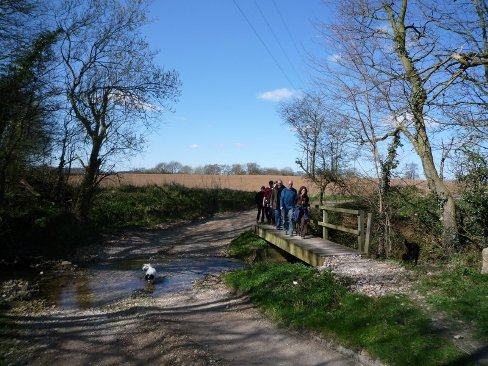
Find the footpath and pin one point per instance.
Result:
(207, 325)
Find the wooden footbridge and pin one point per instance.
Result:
(314, 250)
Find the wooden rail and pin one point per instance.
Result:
(363, 230)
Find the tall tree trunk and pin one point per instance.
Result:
(447, 204)
(420, 139)
(88, 184)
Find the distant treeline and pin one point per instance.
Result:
(174, 167)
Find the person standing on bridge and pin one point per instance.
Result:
(301, 214)
(259, 200)
(267, 198)
(274, 203)
(287, 203)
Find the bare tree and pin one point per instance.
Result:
(411, 171)
(253, 169)
(186, 169)
(173, 167)
(410, 63)
(322, 137)
(237, 169)
(212, 169)
(113, 85)
(351, 87)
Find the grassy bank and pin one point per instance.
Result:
(130, 206)
(460, 292)
(393, 329)
(39, 228)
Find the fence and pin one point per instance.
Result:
(363, 230)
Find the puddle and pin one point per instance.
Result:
(106, 283)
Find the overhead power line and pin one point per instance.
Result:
(277, 39)
(263, 43)
(286, 26)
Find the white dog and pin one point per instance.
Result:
(150, 272)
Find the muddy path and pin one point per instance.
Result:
(206, 324)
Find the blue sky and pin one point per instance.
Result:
(233, 75)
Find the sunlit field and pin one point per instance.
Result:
(244, 182)
(235, 182)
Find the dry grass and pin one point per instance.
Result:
(248, 183)
(237, 182)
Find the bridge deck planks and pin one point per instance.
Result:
(312, 250)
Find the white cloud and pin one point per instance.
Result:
(277, 95)
(334, 58)
(406, 119)
(194, 146)
(238, 145)
(133, 101)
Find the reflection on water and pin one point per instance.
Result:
(106, 283)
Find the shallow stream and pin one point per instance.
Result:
(105, 283)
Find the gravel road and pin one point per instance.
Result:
(207, 325)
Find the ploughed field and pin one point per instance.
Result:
(250, 183)
(236, 182)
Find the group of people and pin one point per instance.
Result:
(284, 207)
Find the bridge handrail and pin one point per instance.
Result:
(340, 209)
(363, 230)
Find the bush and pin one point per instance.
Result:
(43, 232)
(33, 226)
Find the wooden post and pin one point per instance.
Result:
(484, 261)
(361, 231)
(325, 219)
(368, 232)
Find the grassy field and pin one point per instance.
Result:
(235, 182)
(242, 182)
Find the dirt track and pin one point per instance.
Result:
(208, 325)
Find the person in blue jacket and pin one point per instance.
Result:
(287, 203)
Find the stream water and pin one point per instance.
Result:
(108, 282)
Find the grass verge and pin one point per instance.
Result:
(462, 293)
(130, 206)
(390, 328)
(245, 245)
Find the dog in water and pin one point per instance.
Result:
(150, 272)
(412, 252)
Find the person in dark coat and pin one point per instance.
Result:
(267, 198)
(259, 200)
(275, 205)
(287, 202)
(302, 214)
